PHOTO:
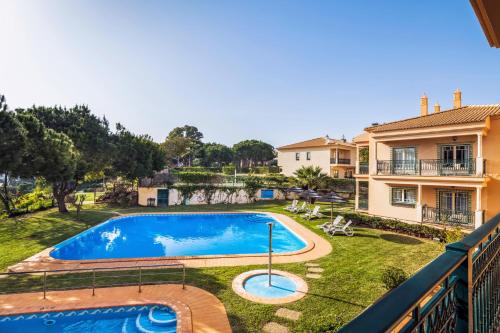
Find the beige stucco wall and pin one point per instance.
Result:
(146, 192)
(426, 149)
(198, 198)
(319, 157)
(379, 200)
(491, 152)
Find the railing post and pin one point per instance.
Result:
(44, 285)
(140, 279)
(463, 289)
(93, 282)
(183, 277)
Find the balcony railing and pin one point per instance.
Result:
(448, 217)
(346, 161)
(427, 167)
(363, 168)
(459, 291)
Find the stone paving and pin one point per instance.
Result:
(273, 327)
(288, 314)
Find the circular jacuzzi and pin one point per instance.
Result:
(284, 287)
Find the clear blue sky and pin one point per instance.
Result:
(280, 71)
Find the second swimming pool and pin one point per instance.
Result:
(167, 235)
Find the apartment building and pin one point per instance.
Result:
(441, 167)
(335, 157)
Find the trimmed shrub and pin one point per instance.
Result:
(228, 170)
(417, 230)
(393, 277)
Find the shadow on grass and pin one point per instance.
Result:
(401, 239)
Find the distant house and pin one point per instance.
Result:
(335, 157)
(441, 167)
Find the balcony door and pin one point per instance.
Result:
(454, 206)
(456, 158)
(404, 160)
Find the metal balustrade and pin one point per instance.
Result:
(459, 291)
(363, 168)
(345, 161)
(448, 217)
(427, 167)
(91, 278)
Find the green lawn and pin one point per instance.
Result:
(350, 283)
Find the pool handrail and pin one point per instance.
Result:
(93, 286)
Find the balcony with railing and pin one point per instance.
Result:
(459, 291)
(363, 168)
(344, 161)
(447, 217)
(427, 167)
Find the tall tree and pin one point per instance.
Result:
(253, 152)
(12, 144)
(90, 136)
(48, 154)
(135, 156)
(216, 154)
(185, 141)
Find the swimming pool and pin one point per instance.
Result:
(125, 319)
(172, 235)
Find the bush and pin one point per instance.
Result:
(228, 169)
(198, 177)
(453, 235)
(417, 230)
(393, 277)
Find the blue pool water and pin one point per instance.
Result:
(178, 235)
(126, 319)
(281, 286)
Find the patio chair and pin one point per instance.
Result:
(301, 209)
(314, 214)
(330, 224)
(293, 206)
(345, 229)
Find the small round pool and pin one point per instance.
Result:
(285, 287)
(281, 286)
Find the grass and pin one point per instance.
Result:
(351, 280)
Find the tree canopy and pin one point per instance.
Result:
(252, 152)
(311, 177)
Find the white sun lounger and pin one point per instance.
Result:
(301, 209)
(345, 229)
(314, 214)
(330, 224)
(293, 206)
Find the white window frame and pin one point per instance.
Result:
(297, 156)
(405, 198)
(308, 155)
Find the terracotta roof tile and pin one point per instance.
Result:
(316, 142)
(463, 115)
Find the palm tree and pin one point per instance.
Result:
(311, 177)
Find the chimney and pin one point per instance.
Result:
(437, 108)
(424, 105)
(457, 99)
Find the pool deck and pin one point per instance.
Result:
(198, 311)
(316, 247)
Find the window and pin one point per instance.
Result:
(297, 156)
(458, 202)
(308, 156)
(348, 174)
(335, 173)
(404, 160)
(404, 196)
